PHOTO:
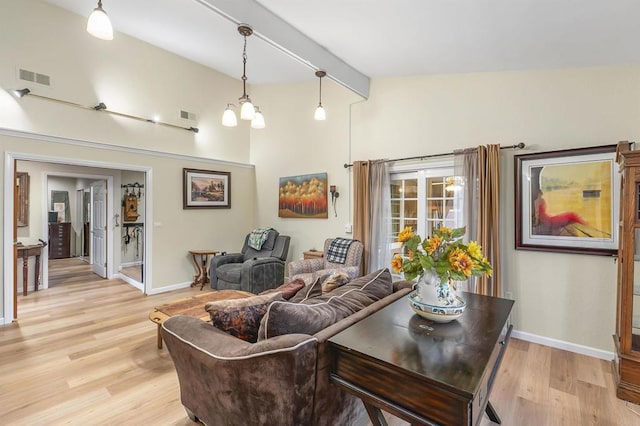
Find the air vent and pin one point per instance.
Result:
(35, 77)
(188, 115)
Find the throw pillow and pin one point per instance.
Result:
(240, 317)
(309, 291)
(315, 314)
(334, 281)
(288, 290)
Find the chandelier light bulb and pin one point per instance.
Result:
(99, 24)
(258, 120)
(247, 111)
(229, 117)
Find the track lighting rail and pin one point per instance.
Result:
(101, 107)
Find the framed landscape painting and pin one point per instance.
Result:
(568, 201)
(303, 196)
(206, 189)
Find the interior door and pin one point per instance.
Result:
(98, 252)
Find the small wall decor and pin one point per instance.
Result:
(303, 196)
(568, 201)
(206, 189)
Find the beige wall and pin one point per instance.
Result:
(135, 78)
(566, 297)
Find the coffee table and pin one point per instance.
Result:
(192, 306)
(420, 371)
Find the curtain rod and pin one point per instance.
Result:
(422, 157)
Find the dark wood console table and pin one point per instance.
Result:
(24, 252)
(420, 371)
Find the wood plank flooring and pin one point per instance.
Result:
(83, 352)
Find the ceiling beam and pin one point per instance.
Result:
(284, 37)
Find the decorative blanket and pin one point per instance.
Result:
(257, 237)
(337, 252)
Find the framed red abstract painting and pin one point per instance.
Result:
(568, 201)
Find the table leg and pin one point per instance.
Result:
(36, 278)
(491, 413)
(205, 273)
(198, 277)
(159, 337)
(375, 415)
(25, 274)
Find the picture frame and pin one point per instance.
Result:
(206, 189)
(568, 201)
(303, 197)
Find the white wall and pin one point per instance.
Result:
(566, 297)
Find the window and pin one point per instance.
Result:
(423, 200)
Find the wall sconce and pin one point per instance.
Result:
(334, 196)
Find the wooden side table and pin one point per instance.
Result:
(201, 262)
(25, 252)
(312, 254)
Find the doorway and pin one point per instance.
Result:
(39, 191)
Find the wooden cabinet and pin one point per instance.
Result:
(59, 240)
(626, 364)
(312, 254)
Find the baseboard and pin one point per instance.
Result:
(560, 344)
(130, 281)
(1, 320)
(169, 288)
(128, 264)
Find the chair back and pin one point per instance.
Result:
(275, 245)
(354, 255)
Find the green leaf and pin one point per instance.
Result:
(458, 232)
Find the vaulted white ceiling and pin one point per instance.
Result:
(381, 38)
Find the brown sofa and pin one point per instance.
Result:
(281, 379)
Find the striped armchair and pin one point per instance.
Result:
(308, 269)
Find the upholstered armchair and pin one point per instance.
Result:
(308, 268)
(251, 270)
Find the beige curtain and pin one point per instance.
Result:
(361, 202)
(489, 216)
(380, 216)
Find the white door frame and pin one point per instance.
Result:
(7, 243)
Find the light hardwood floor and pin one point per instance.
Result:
(83, 352)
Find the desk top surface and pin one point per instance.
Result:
(454, 353)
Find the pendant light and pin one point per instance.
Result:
(320, 114)
(247, 110)
(258, 120)
(99, 24)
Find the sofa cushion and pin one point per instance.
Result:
(376, 285)
(288, 290)
(241, 317)
(309, 291)
(314, 314)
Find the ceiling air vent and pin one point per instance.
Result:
(35, 77)
(188, 115)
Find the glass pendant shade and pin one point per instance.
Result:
(258, 120)
(229, 118)
(247, 111)
(99, 24)
(320, 114)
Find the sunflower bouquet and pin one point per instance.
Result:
(444, 253)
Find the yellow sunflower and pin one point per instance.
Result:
(460, 261)
(405, 235)
(474, 249)
(396, 263)
(434, 243)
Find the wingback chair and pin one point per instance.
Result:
(306, 268)
(251, 270)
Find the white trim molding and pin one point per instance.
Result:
(560, 344)
(152, 291)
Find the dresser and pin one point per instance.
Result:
(59, 240)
